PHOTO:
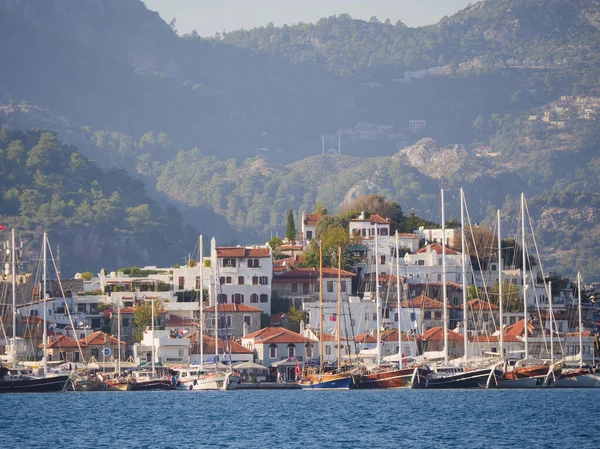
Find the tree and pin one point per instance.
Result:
(87, 275)
(374, 204)
(275, 242)
(290, 230)
(142, 318)
(320, 208)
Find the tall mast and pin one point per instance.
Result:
(153, 361)
(339, 309)
(500, 298)
(398, 301)
(119, 337)
(377, 303)
(523, 251)
(14, 300)
(45, 358)
(580, 321)
(464, 273)
(201, 327)
(444, 288)
(320, 305)
(213, 249)
(551, 322)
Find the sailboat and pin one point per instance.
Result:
(581, 376)
(460, 375)
(197, 377)
(341, 378)
(528, 372)
(13, 380)
(386, 376)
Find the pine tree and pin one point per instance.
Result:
(290, 230)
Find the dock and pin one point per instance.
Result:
(269, 386)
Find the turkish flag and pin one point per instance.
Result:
(2, 228)
(331, 317)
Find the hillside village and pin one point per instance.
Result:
(268, 304)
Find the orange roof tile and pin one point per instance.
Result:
(480, 304)
(312, 219)
(493, 339)
(437, 333)
(365, 338)
(130, 310)
(230, 308)
(99, 338)
(437, 247)
(424, 302)
(285, 337)
(241, 252)
(60, 342)
(392, 335)
(267, 331)
(373, 219)
(518, 328)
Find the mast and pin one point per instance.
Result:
(45, 358)
(464, 272)
(444, 287)
(377, 303)
(551, 322)
(14, 300)
(201, 327)
(523, 250)
(119, 337)
(320, 306)
(500, 298)
(398, 300)
(153, 362)
(213, 249)
(339, 309)
(580, 321)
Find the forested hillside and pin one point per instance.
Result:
(500, 98)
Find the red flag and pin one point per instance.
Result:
(2, 228)
(331, 317)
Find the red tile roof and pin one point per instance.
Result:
(229, 308)
(130, 310)
(518, 328)
(365, 338)
(279, 317)
(241, 252)
(60, 342)
(493, 339)
(374, 219)
(392, 335)
(285, 337)
(289, 248)
(312, 219)
(99, 338)
(437, 333)
(178, 320)
(479, 304)
(424, 302)
(437, 247)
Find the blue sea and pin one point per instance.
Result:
(303, 419)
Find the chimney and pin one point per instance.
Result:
(244, 329)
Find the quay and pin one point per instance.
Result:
(269, 386)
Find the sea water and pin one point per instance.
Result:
(297, 419)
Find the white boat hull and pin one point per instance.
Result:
(581, 381)
(227, 381)
(525, 382)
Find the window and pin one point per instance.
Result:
(427, 314)
(396, 316)
(439, 278)
(327, 349)
(291, 348)
(222, 280)
(253, 298)
(317, 287)
(237, 298)
(254, 280)
(366, 317)
(438, 315)
(294, 287)
(229, 263)
(228, 280)
(382, 260)
(264, 298)
(383, 231)
(413, 316)
(125, 322)
(180, 282)
(95, 353)
(273, 351)
(250, 263)
(374, 316)
(458, 279)
(309, 350)
(248, 320)
(420, 262)
(309, 235)
(228, 320)
(256, 264)
(264, 280)
(222, 298)
(197, 282)
(343, 286)
(240, 280)
(439, 260)
(305, 289)
(330, 286)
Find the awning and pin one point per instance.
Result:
(250, 365)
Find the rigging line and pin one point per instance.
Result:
(65, 299)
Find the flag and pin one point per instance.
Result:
(331, 317)
(2, 228)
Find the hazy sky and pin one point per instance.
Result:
(211, 16)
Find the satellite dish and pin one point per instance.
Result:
(79, 323)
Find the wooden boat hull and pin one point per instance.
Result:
(327, 382)
(424, 378)
(399, 378)
(583, 378)
(526, 377)
(37, 385)
(154, 384)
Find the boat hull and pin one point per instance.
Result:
(327, 382)
(424, 378)
(385, 379)
(526, 377)
(228, 381)
(147, 385)
(578, 379)
(38, 385)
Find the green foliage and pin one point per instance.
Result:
(290, 230)
(87, 275)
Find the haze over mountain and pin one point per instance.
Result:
(235, 125)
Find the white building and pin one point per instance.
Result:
(436, 235)
(426, 265)
(308, 226)
(167, 348)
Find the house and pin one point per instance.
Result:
(309, 226)
(301, 285)
(436, 236)
(169, 349)
(426, 265)
(230, 351)
(93, 345)
(389, 343)
(482, 317)
(433, 341)
(235, 320)
(482, 345)
(61, 347)
(431, 309)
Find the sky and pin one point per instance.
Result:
(210, 16)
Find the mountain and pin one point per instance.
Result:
(500, 98)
